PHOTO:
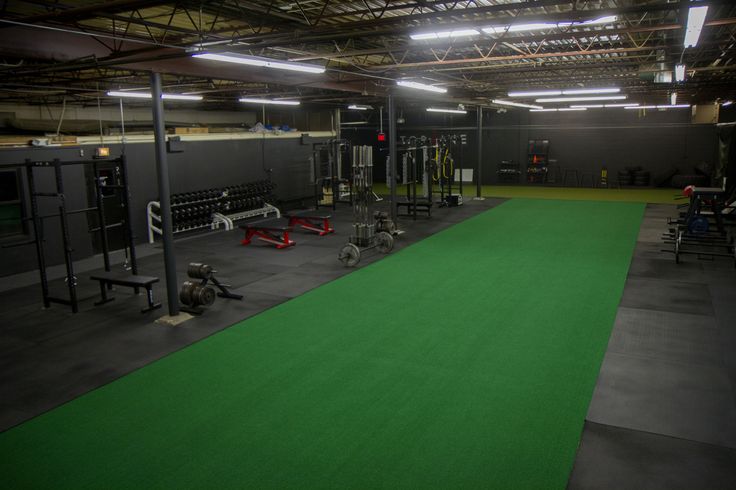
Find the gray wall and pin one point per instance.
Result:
(658, 141)
(202, 164)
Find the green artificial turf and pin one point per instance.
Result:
(464, 361)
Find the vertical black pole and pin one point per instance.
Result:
(71, 280)
(392, 153)
(480, 153)
(38, 237)
(125, 202)
(101, 221)
(162, 167)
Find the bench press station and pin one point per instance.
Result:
(108, 279)
(272, 230)
(312, 220)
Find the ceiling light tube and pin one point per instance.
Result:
(679, 73)
(546, 25)
(542, 110)
(620, 105)
(516, 104)
(587, 106)
(641, 107)
(449, 111)
(673, 106)
(695, 21)
(535, 93)
(572, 109)
(421, 86)
(583, 91)
(581, 99)
(147, 95)
(727, 103)
(444, 34)
(358, 107)
(243, 59)
(249, 100)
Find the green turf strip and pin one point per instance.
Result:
(464, 361)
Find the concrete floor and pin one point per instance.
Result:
(663, 414)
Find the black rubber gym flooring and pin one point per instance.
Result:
(48, 357)
(663, 414)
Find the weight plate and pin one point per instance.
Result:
(349, 255)
(384, 242)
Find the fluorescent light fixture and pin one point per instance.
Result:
(641, 107)
(353, 123)
(680, 73)
(584, 91)
(358, 107)
(147, 95)
(547, 25)
(695, 21)
(620, 105)
(535, 93)
(516, 104)
(727, 103)
(249, 100)
(673, 106)
(444, 34)
(673, 98)
(542, 110)
(569, 91)
(449, 111)
(587, 106)
(421, 86)
(243, 59)
(581, 99)
(572, 109)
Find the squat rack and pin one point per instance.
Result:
(121, 184)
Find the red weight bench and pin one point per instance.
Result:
(312, 220)
(274, 231)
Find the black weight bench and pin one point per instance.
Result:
(312, 220)
(421, 206)
(108, 279)
(274, 231)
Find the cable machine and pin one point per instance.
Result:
(327, 172)
(102, 186)
(448, 159)
(416, 170)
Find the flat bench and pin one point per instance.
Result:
(312, 220)
(273, 230)
(108, 279)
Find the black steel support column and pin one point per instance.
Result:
(393, 155)
(162, 168)
(480, 153)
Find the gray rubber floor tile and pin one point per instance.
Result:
(688, 401)
(612, 458)
(677, 337)
(667, 295)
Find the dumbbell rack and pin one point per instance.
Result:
(214, 208)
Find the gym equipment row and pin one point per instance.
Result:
(428, 162)
(364, 236)
(275, 231)
(211, 208)
(704, 226)
(110, 178)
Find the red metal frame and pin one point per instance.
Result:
(278, 241)
(319, 225)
